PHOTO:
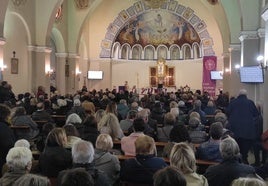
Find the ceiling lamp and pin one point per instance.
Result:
(154, 4)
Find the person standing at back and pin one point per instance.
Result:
(241, 113)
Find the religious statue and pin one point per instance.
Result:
(161, 68)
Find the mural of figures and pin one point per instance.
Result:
(151, 28)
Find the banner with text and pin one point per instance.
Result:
(209, 64)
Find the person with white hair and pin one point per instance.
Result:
(19, 162)
(83, 156)
(230, 168)
(241, 114)
(22, 143)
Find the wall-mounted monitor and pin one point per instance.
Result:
(216, 75)
(251, 74)
(95, 74)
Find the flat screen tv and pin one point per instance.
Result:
(251, 74)
(94, 74)
(216, 75)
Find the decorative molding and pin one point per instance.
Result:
(18, 3)
(2, 41)
(73, 56)
(83, 4)
(248, 35)
(225, 54)
(264, 14)
(261, 32)
(234, 47)
(40, 49)
(61, 55)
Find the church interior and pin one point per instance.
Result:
(147, 43)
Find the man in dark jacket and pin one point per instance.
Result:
(83, 156)
(230, 168)
(241, 114)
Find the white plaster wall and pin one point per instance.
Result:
(16, 38)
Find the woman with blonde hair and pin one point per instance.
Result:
(104, 160)
(109, 124)
(89, 107)
(182, 156)
(55, 157)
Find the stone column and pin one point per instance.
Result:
(233, 74)
(40, 56)
(72, 79)
(265, 85)
(2, 64)
(61, 78)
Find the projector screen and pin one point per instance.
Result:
(94, 74)
(251, 74)
(216, 75)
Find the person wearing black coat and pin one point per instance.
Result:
(241, 114)
(7, 138)
(230, 168)
(55, 157)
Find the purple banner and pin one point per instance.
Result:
(209, 64)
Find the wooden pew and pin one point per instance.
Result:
(198, 161)
(20, 129)
(59, 119)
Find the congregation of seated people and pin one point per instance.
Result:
(113, 138)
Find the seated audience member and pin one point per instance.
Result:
(32, 180)
(221, 117)
(230, 168)
(163, 132)
(125, 124)
(152, 123)
(90, 131)
(169, 176)
(196, 132)
(83, 156)
(20, 118)
(7, 138)
(210, 150)
(61, 108)
(99, 114)
(30, 106)
(104, 160)
(109, 124)
(182, 157)
(77, 109)
(19, 162)
(40, 142)
(55, 157)
(128, 142)
(77, 177)
(178, 134)
(89, 107)
(122, 108)
(158, 113)
(40, 114)
(197, 108)
(144, 114)
(248, 182)
(72, 135)
(210, 108)
(142, 168)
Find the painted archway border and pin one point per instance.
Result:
(172, 6)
